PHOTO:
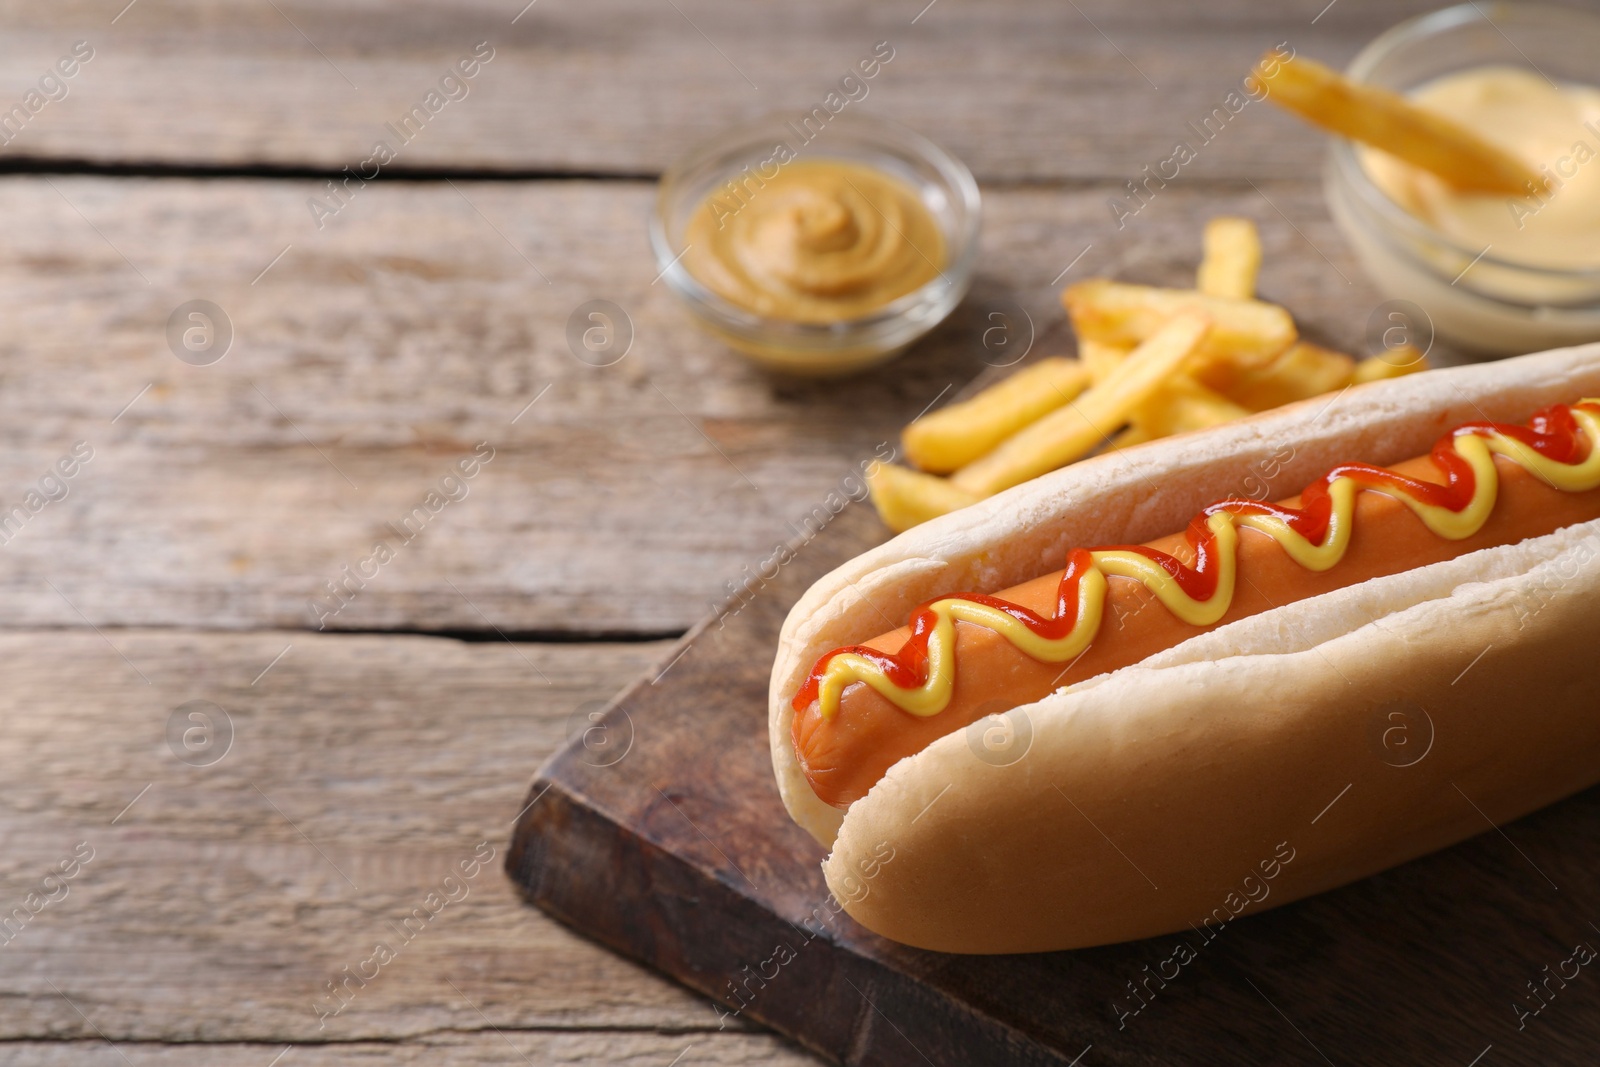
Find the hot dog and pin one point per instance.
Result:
(1166, 683)
(847, 740)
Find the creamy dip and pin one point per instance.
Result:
(821, 241)
(1556, 129)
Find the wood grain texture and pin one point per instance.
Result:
(362, 771)
(1024, 91)
(623, 1048)
(373, 353)
(1428, 962)
(376, 353)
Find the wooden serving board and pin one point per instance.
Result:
(658, 831)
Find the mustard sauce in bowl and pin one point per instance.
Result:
(823, 241)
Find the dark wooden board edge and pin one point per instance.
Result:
(700, 926)
(699, 932)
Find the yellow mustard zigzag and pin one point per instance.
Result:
(1477, 447)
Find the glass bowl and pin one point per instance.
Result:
(1481, 303)
(943, 183)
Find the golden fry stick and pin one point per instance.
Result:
(952, 437)
(1304, 370)
(1395, 363)
(1232, 258)
(1183, 404)
(905, 498)
(1100, 358)
(1389, 122)
(1073, 431)
(1130, 436)
(1244, 333)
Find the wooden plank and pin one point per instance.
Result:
(710, 882)
(374, 354)
(467, 1050)
(220, 899)
(1024, 91)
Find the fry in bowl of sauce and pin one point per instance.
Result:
(1555, 128)
(1495, 273)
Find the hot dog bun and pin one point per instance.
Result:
(1192, 767)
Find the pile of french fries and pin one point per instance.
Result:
(1151, 363)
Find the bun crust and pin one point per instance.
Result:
(1143, 800)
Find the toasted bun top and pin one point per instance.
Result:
(1134, 496)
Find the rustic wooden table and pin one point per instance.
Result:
(212, 812)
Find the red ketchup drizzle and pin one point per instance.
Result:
(908, 668)
(1552, 432)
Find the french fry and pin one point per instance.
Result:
(1100, 358)
(1128, 437)
(1395, 363)
(1244, 333)
(1152, 362)
(1232, 258)
(1183, 404)
(904, 498)
(1071, 432)
(954, 436)
(1379, 118)
(1304, 370)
